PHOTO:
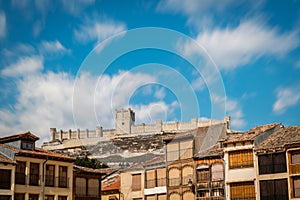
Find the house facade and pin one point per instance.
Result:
(38, 174)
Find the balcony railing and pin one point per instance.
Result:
(295, 169)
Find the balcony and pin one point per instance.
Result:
(210, 198)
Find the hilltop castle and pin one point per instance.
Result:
(135, 141)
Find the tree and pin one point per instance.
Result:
(90, 163)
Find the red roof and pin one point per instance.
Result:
(25, 135)
(38, 152)
(114, 186)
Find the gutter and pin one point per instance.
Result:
(43, 179)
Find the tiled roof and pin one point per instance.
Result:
(19, 136)
(214, 150)
(113, 186)
(6, 160)
(44, 153)
(38, 152)
(285, 136)
(249, 135)
(91, 170)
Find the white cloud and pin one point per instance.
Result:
(286, 98)
(198, 84)
(74, 7)
(23, 67)
(235, 111)
(53, 47)
(160, 93)
(93, 30)
(192, 7)
(2, 24)
(47, 100)
(233, 47)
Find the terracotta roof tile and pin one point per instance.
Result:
(249, 135)
(113, 186)
(27, 134)
(285, 136)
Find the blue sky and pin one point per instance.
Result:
(53, 54)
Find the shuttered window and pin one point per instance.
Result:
(243, 190)
(296, 186)
(272, 163)
(241, 159)
(136, 182)
(274, 189)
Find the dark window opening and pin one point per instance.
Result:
(274, 189)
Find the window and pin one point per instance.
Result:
(218, 192)
(5, 197)
(203, 193)
(203, 174)
(5, 182)
(136, 182)
(272, 163)
(49, 197)
(186, 149)
(63, 176)
(50, 173)
(172, 151)
(62, 198)
(93, 187)
(27, 145)
(245, 190)
(217, 172)
(240, 159)
(20, 173)
(33, 197)
(19, 196)
(295, 157)
(80, 189)
(174, 177)
(150, 179)
(34, 173)
(296, 186)
(161, 177)
(274, 189)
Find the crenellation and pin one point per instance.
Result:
(124, 127)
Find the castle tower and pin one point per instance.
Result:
(124, 120)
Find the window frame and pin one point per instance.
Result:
(241, 159)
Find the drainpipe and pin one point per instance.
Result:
(43, 179)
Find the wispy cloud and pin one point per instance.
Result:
(2, 24)
(75, 7)
(250, 40)
(53, 47)
(24, 66)
(286, 97)
(98, 30)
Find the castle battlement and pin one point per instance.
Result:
(125, 126)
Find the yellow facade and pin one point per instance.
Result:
(55, 191)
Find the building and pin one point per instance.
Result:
(210, 178)
(155, 179)
(7, 171)
(189, 160)
(241, 162)
(278, 162)
(87, 183)
(38, 174)
(111, 187)
(133, 182)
